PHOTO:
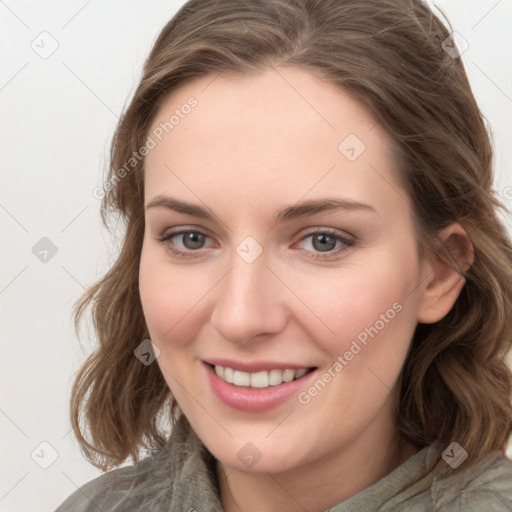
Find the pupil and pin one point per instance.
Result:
(326, 242)
(193, 240)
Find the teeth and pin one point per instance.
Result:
(275, 377)
(288, 375)
(228, 375)
(242, 378)
(260, 380)
(300, 373)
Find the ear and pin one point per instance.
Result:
(442, 279)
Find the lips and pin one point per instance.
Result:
(255, 399)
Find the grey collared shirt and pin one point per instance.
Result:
(181, 477)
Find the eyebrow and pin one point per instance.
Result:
(288, 213)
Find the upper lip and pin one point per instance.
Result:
(255, 366)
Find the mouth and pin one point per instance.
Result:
(260, 379)
(256, 386)
(259, 390)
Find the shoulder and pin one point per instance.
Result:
(485, 486)
(126, 488)
(153, 483)
(426, 483)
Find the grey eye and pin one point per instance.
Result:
(323, 242)
(193, 240)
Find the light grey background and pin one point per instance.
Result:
(58, 113)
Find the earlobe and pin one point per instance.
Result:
(443, 277)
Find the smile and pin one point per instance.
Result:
(262, 379)
(258, 390)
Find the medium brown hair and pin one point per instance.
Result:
(455, 384)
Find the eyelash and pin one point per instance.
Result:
(347, 242)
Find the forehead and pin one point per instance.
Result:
(280, 134)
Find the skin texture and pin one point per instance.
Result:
(253, 145)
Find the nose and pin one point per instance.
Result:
(249, 302)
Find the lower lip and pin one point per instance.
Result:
(254, 399)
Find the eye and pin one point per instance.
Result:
(191, 241)
(326, 243)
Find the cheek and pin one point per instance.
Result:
(171, 304)
(169, 298)
(363, 304)
(373, 316)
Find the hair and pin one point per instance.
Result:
(455, 384)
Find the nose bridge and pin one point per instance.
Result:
(248, 302)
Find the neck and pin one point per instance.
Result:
(318, 484)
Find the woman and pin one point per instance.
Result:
(314, 287)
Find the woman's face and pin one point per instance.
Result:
(298, 253)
